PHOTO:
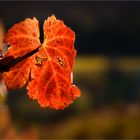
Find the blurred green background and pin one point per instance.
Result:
(106, 69)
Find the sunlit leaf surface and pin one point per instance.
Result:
(49, 71)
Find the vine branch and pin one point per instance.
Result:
(8, 62)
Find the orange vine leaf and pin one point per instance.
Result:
(49, 71)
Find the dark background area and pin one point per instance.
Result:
(108, 28)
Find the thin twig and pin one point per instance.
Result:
(8, 62)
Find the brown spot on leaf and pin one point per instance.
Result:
(61, 61)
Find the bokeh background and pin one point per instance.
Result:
(107, 70)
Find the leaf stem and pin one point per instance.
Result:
(8, 62)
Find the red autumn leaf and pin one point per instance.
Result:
(49, 71)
